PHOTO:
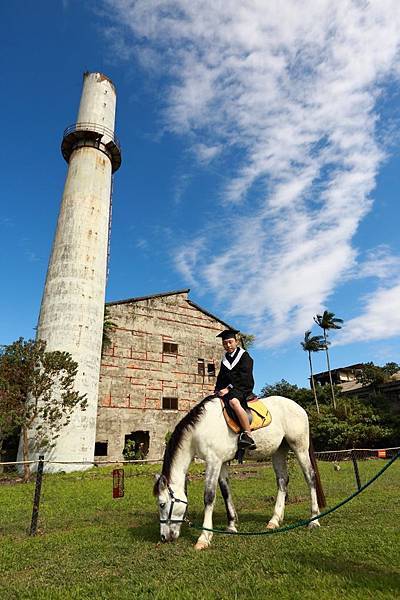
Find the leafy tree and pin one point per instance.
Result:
(303, 396)
(129, 452)
(391, 368)
(280, 388)
(108, 328)
(352, 424)
(247, 340)
(313, 344)
(328, 321)
(36, 393)
(373, 375)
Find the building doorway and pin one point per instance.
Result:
(136, 446)
(9, 451)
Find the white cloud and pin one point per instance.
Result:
(142, 244)
(294, 86)
(379, 319)
(187, 257)
(206, 153)
(379, 263)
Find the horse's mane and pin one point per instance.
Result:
(175, 441)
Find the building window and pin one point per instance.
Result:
(211, 369)
(200, 367)
(170, 403)
(101, 449)
(169, 348)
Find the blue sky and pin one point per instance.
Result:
(260, 162)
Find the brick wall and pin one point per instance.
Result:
(136, 374)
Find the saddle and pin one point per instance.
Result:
(258, 413)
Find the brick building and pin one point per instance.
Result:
(163, 358)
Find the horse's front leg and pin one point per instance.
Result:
(224, 486)
(212, 473)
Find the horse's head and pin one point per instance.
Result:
(172, 509)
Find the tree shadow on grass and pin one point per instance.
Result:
(251, 520)
(360, 575)
(148, 532)
(147, 528)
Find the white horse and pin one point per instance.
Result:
(203, 432)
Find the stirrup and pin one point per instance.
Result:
(246, 444)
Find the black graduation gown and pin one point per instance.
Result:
(237, 373)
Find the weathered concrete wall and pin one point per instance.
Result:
(71, 316)
(136, 374)
(98, 101)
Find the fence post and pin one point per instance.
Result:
(36, 500)
(356, 471)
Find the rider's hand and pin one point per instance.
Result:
(223, 392)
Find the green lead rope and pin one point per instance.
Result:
(303, 522)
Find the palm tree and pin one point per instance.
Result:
(313, 344)
(328, 321)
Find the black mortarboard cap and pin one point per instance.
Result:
(228, 333)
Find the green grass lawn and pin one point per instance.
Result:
(91, 546)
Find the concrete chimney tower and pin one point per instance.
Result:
(72, 310)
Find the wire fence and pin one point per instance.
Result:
(119, 492)
(94, 463)
(358, 453)
(324, 455)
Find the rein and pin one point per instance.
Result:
(169, 519)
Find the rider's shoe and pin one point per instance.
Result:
(246, 441)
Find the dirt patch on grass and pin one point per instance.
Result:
(11, 480)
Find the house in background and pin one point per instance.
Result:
(163, 359)
(346, 379)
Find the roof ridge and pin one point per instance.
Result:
(172, 293)
(138, 298)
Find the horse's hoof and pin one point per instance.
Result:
(314, 525)
(231, 529)
(272, 525)
(201, 546)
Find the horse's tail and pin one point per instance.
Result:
(320, 492)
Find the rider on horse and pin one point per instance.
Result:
(235, 383)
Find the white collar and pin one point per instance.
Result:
(230, 366)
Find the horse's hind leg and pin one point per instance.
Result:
(224, 486)
(303, 457)
(279, 461)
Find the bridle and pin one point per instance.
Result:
(169, 519)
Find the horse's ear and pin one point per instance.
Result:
(160, 484)
(155, 487)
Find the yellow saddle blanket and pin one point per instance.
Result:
(258, 412)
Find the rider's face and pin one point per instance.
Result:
(230, 344)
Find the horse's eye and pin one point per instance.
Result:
(162, 505)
